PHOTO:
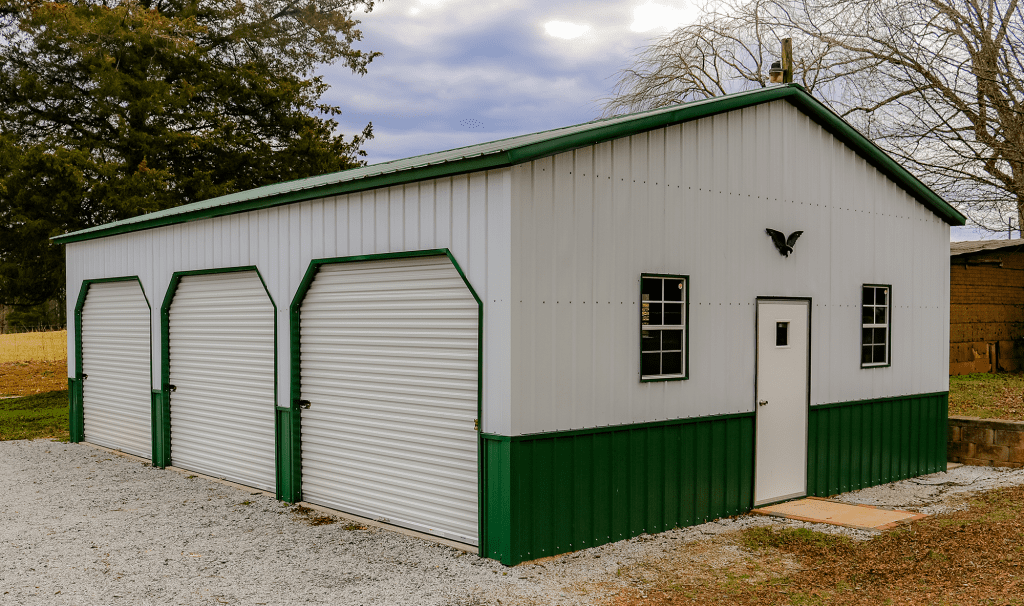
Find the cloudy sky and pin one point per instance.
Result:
(458, 72)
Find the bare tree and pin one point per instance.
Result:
(938, 84)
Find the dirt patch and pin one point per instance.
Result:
(315, 518)
(988, 396)
(29, 378)
(973, 556)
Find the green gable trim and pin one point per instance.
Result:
(524, 148)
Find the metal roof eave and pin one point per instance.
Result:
(583, 135)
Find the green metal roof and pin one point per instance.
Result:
(515, 150)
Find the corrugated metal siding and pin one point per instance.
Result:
(552, 494)
(389, 353)
(860, 444)
(469, 214)
(695, 199)
(222, 364)
(115, 357)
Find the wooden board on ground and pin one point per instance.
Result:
(826, 511)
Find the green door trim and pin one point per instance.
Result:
(76, 409)
(162, 398)
(290, 469)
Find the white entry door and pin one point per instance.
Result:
(783, 342)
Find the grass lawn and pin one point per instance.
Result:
(989, 396)
(974, 556)
(43, 415)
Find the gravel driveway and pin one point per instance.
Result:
(81, 526)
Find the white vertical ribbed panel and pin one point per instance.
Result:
(115, 358)
(468, 214)
(389, 353)
(695, 199)
(222, 366)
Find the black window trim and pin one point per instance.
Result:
(888, 318)
(686, 329)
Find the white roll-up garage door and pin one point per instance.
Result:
(116, 362)
(222, 370)
(389, 365)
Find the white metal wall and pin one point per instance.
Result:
(389, 366)
(281, 241)
(222, 367)
(115, 358)
(695, 199)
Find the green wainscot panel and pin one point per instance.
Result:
(853, 445)
(288, 452)
(76, 412)
(553, 493)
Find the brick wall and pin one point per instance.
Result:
(986, 312)
(994, 442)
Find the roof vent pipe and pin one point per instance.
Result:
(787, 60)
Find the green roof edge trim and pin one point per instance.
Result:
(516, 153)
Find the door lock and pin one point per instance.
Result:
(304, 404)
(172, 387)
(762, 403)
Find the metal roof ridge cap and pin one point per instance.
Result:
(638, 123)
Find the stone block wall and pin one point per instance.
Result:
(993, 442)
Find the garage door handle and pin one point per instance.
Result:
(305, 404)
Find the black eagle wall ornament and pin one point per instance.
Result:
(784, 245)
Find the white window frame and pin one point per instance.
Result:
(874, 305)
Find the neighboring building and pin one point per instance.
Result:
(539, 344)
(986, 306)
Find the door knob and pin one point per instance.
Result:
(762, 403)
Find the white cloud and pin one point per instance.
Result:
(652, 15)
(565, 30)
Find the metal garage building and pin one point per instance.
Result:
(543, 343)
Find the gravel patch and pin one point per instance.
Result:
(81, 526)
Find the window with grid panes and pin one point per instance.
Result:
(662, 327)
(875, 319)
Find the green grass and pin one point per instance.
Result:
(987, 395)
(763, 537)
(43, 415)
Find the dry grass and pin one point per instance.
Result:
(989, 396)
(975, 556)
(34, 347)
(28, 378)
